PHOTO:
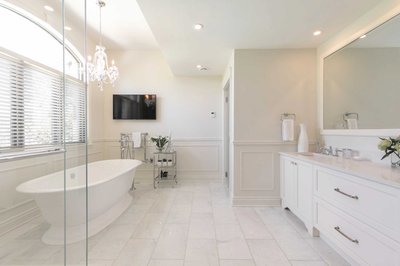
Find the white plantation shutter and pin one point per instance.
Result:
(75, 121)
(31, 107)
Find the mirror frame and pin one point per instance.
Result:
(363, 25)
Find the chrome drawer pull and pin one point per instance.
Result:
(343, 193)
(337, 228)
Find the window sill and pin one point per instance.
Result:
(24, 155)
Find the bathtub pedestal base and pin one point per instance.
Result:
(55, 234)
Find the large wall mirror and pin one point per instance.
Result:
(361, 83)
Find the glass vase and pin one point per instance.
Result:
(395, 160)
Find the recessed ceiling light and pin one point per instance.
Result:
(198, 26)
(362, 37)
(67, 28)
(201, 68)
(317, 32)
(49, 8)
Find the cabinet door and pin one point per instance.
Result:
(290, 184)
(304, 191)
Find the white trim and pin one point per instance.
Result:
(362, 132)
(256, 201)
(267, 142)
(371, 20)
(173, 140)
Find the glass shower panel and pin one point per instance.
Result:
(43, 133)
(32, 150)
(75, 134)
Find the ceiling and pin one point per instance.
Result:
(228, 24)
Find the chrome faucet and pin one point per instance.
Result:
(337, 152)
(326, 150)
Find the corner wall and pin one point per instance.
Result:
(268, 83)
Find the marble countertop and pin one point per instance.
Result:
(375, 172)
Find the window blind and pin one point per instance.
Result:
(33, 107)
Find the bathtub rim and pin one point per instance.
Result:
(21, 188)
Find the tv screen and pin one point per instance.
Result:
(138, 106)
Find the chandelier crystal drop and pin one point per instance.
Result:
(98, 70)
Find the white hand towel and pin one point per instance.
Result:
(352, 123)
(137, 139)
(287, 129)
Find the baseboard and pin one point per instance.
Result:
(256, 201)
(18, 215)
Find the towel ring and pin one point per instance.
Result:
(288, 116)
(349, 115)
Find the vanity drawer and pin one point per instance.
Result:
(360, 242)
(372, 203)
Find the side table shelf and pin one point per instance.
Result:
(163, 164)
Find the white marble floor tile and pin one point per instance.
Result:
(170, 249)
(201, 206)
(226, 232)
(151, 225)
(202, 217)
(236, 263)
(233, 249)
(179, 217)
(175, 232)
(201, 230)
(100, 262)
(136, 252)
(131, 217)
(119, 231)
(297, 248)
(251, 224)
(166, 263)
(307, 263)
(107, 249)
(270, 216)
(330, 256)
(267, 252)
(201, 252)
(224, 215)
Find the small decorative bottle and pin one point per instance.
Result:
(302, 145)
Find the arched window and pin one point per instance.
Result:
(36, 110)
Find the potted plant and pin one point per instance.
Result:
(391, 147)
(160, 142)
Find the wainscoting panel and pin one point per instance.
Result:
(197, 158)
(256, 171)
(256, 174)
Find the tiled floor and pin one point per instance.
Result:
(191, 224)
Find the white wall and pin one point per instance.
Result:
(268, 83)
(365, 145)
(184, 105)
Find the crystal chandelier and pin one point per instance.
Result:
(98, 70)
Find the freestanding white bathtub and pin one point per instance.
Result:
(109, 182)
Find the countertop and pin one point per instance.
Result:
(383, 174)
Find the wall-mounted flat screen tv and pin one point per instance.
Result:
(134, 106)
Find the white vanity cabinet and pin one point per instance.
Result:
(296, 189)
(355, 206)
